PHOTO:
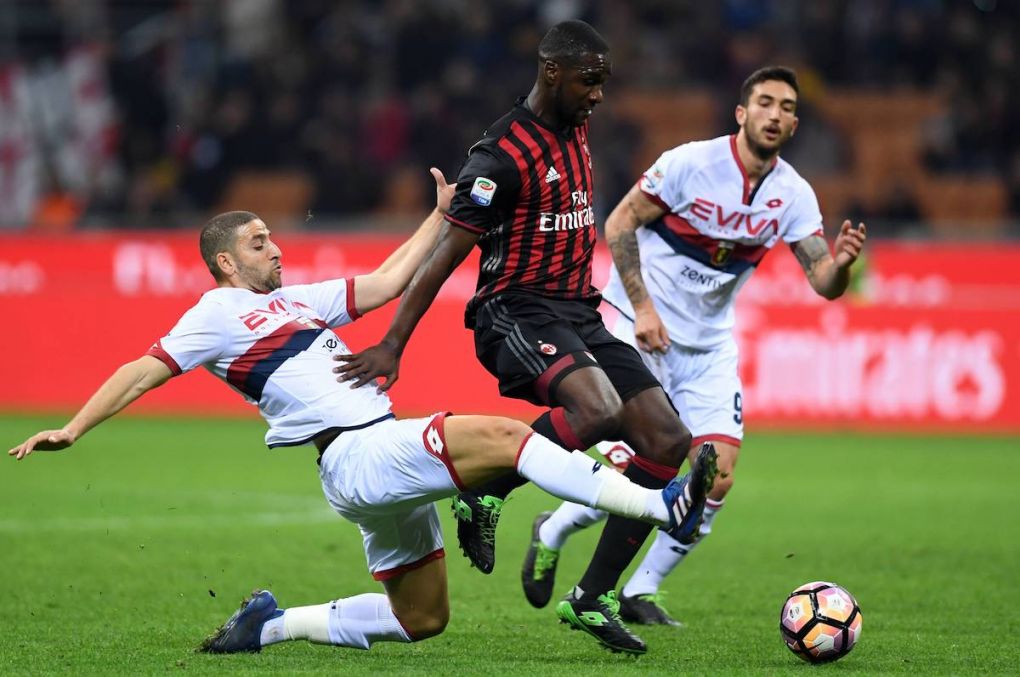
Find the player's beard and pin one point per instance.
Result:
(257, 280)
(761, 150)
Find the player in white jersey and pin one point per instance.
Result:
(684, 240)
(275, 346)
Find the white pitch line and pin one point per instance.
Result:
(167, 521)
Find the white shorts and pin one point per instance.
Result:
(385, 478)
(703, 385)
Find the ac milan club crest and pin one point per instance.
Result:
(547, 348)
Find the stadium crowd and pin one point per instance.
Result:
(178, 96)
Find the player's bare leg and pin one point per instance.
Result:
(660, 441)
(482, 447)
(420, 600)
(652, 427)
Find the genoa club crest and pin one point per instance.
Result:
(723, 252)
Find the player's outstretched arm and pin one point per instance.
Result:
(634, 211)
(127, 384)
(383, 359)
(829, 273)
(389, 280)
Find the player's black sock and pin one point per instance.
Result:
(620, 541)
(543, 425)
(502, 486)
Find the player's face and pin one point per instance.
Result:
(257, 258)
(770, 117)
(580, 88)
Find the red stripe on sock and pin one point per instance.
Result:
(520, 450)
(558, 418)
(657, 470)
(714, 437)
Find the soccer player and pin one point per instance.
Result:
(684, 241)
(273, 344)
(524, 197)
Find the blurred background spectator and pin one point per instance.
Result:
(327, 113)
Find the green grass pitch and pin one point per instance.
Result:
(120, 555)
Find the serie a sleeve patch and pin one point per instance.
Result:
(482, 191)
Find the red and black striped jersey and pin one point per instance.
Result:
(526, 189)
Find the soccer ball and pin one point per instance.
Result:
(820, 622)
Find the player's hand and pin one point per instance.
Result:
(649, 330)
(47, 440)
(369, 364)
(444, 190)
(849, 243)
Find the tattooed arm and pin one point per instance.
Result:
(634, 211)
(829, 275)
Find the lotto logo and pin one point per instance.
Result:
(433, 439)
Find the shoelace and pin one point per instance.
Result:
(545, 559)
(657, 598)
(490, 519)
(613, 604)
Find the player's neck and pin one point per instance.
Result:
(541, 106)
(754, 165)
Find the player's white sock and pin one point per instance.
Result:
(666, 554)
(299, 622)
(578, 478)
(711, 509)
(356, 622)
(362, 620)
(566, 521)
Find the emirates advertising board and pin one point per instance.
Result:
(926, 339)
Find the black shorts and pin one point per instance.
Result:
(531, 343)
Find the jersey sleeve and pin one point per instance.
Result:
(332, 300)
(196, 339)
(805, 217)
(488, 186)
(663, 182)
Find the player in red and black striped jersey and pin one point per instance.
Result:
(526, 191)
(524, 197)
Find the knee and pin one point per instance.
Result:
(425, 623)
(507, 432)
(665, 442)
(503, 437)
(598, 421)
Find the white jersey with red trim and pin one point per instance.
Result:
(277, 350)
(714, 233)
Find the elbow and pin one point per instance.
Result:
(613, 227)
(829, 293)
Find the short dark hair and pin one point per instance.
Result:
(218, 235)
(568, 41)
(787, 75)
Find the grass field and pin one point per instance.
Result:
(120, 555)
